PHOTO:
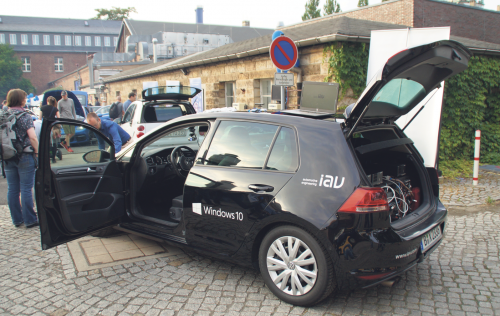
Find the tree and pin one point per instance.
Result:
(312, 10)
(362, 3)
(11, 75)
(331, 6)
(115, 14)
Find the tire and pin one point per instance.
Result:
(317, 263)
(106, 232)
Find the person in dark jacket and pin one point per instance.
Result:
(111, 130)
(50, 111)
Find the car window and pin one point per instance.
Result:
(399, 93)
(82, 99)
(284, 154)
(160, 113)
(104, 110)
(240, 144)
(185, 136)
(84, 146)
(129, 114)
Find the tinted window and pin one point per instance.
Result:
(240, 144)
(154, 114)
(400, 93)
(284, 153)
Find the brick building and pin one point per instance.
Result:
(50, 48)
(466, 21)
(243, 72)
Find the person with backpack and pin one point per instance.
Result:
(19, 154)
(116, 109)
(50, 111)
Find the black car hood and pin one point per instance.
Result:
(424, 66)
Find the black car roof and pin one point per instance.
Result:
(246, 116)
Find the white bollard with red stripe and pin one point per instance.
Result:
(475, 176)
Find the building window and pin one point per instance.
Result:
(67, 40)
(57, 39)
(97, 41)
(115, 41)
(13, 39)
(265, 92)
(107, 41)
(78, 41)
(24, 39)
(117, 93)
(35, 39)
(205, 41)
(46, 40)
(2, 38)
(58, 62)
(26, 67)
(88, 41)
(230, 87)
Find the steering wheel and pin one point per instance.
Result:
(181, 162)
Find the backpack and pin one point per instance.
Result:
(113, 111)
(11, 148)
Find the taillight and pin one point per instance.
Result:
(139, 134)
(140, 128)
(365, 200)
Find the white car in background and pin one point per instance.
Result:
(158, 105)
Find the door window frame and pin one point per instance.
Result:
(208, 142)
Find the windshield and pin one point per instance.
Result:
(82, 99)
(104, 110)
(399, 95)
(187, 136)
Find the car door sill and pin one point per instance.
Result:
(150, 232)
(154, 220)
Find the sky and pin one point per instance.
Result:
(260, 13)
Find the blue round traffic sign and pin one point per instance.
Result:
(283, 52)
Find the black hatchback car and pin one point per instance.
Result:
(316, 205)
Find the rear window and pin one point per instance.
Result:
(399, 94)
(82, 99)
(154, 114)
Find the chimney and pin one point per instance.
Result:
(154, 51)
(472, 3)
(498, 7)
(245, 23)
(280, 24)
(199, 15)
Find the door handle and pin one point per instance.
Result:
(261, 188)
(91, 170)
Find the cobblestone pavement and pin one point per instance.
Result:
(461, 192)
(462, 277)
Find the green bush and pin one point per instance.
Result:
(471, 102)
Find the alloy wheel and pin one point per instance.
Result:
(291, 265)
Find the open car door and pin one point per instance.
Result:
(80, 192)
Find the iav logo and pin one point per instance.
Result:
(328, 182)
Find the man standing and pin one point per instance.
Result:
(111, 130)
(97, 103)
(116, 109)
(66, 109)
(131, 98)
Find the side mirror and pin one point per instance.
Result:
(96, 156)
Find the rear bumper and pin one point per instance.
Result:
(377, 256)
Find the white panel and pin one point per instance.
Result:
(424, 129)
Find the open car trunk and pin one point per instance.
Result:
(389, 160)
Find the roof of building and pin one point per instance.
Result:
(237, 33)
(57, 25)
(322, 31)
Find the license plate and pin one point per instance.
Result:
(431, 238)
(179, 133)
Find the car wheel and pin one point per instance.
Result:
(295, 267)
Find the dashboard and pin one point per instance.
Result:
(160, 163)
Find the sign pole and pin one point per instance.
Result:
(282, 98)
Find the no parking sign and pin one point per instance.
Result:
(283, 52)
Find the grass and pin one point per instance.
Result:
(490, 201)
(456, 168)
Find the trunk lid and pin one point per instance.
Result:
(169, 93)
(405, 80)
